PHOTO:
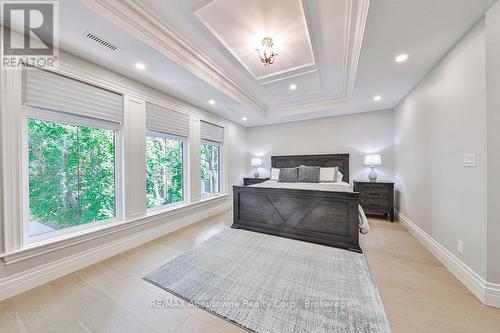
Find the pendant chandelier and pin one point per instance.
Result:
(266, 52)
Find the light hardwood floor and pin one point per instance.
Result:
(418, 293)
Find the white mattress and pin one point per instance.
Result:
(329, 187)
(364, 227)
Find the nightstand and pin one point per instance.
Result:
(253, 181)
(376, 197)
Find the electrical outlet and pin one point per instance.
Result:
(460, 247)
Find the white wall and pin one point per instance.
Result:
(237, 150)
(493, 121)
(440, 120)
(357, 134)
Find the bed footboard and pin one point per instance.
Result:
(328, 218)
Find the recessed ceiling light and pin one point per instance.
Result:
(140, 66)
(293, 86)
(211, 102)
(401, 58)
(244, 118)
(377, 98)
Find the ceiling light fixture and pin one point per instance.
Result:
(377, 98)
(140, 66)
(293, 86)
(211, 102)
(266, 52)
(401, 58)
(244, 118)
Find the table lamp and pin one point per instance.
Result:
(256, 162)
(373, 160)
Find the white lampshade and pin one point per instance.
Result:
(256, 161)
(373, 159)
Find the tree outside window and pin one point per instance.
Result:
(164, 171)
(71, 175)
(210, 169)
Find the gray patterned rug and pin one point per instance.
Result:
(270, 284)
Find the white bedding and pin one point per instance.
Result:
(364, 227)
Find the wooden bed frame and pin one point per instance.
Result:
(328, 218)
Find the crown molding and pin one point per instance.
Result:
(135, 18)
(310, 107)
(354, 28)
(359, 32)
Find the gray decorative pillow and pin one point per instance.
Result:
(308, 174)
(288, 175)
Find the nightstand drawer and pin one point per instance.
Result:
(375, 208)
(383, 201)
(374, 194)
(376, 197)
(374, 189)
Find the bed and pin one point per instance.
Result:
(327, 214)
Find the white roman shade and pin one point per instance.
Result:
(167, 121)
(50, 91)
(212, 132)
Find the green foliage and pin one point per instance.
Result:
(210, 169)
(71, 174)
(164, 171)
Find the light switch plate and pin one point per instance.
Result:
(460, 247)
(469, 160)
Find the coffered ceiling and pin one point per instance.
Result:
(336, 54)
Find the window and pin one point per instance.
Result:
(210, 169)
(164, 170)
(212, 138)
(71, 174)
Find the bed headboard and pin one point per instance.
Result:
(326, 160)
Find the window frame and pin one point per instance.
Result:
(220, 145)
(185, 185)
(70, 119)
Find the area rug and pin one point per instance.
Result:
(265, 283)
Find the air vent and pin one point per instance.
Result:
(101, 41)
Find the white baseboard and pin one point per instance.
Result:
(488, 293)
(492, 294)
(35, 277)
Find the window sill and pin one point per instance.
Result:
(39, 248)
(166, 208)
(212, 196)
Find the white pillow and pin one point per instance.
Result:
(328, 175)
(275, 174)
(340, 176)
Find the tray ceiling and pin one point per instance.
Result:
(342, 53)
(246, 23)
(318, 44)
(307, 83)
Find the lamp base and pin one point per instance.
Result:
(373, 175)
(256, 173)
